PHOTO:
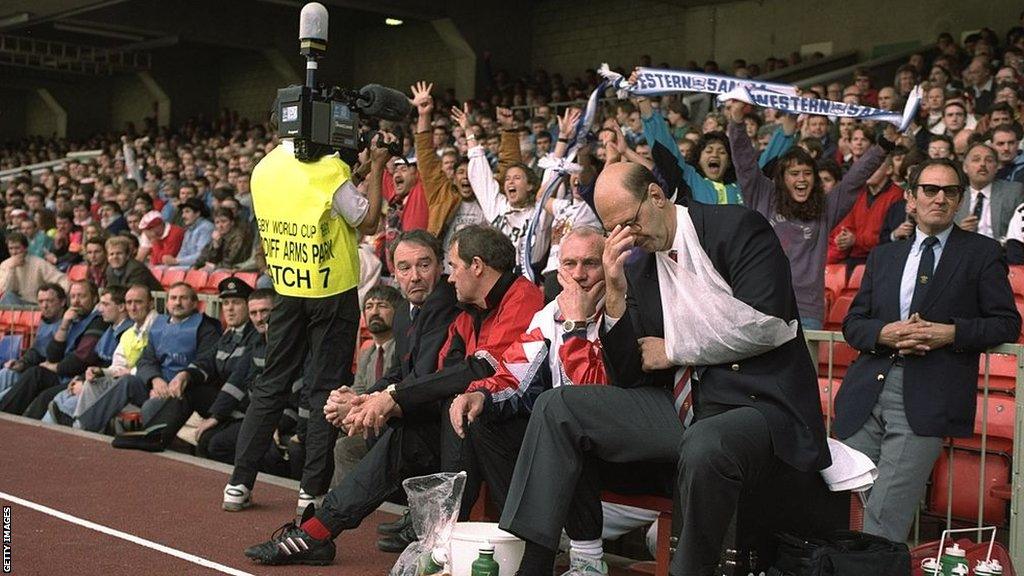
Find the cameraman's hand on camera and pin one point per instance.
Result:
(424, 104)
(379, 153)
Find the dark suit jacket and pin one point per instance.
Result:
(781, 383)
(417, 344)
(1006, 196)
(896, 215)
(970, 289)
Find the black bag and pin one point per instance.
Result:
(842, 553)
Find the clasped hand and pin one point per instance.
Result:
(916, 336)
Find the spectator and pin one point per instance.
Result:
(379, 309)
(888, 407)
(67, 243)
(1006, 143)
(229, 244)
(51, 299)
(96, 262)
(98, 380)
(112, 219)
(71, 350)
(162, 238)
(800, 213)
(978, 77)
(988, 203)
(124, 270)
(22, 274)
(176, 339)
(713, 179)
(857, 234)
(61, 408)
(39, 242)
(443, 193)
(941, 146)
(198, 233)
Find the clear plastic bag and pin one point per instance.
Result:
(434, 502)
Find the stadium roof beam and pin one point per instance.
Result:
(66, 57)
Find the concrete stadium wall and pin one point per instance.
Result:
(12, 114)
(129, 102)
(248, 84)
(569, 39)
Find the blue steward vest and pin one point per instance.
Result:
(175, 344)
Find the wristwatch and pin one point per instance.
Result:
(391, 390)
(573, 325)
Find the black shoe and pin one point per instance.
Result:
(292, 545)
(396, 543)
(388, 528)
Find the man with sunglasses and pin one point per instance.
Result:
(927, 307)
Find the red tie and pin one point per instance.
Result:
(682, 394)
(379, 370)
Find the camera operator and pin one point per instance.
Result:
(308, 215)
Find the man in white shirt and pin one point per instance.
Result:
(989, 203)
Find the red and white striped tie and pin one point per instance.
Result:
(682, 394)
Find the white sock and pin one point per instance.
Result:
(586, 549)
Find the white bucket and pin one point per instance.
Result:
(468, 537)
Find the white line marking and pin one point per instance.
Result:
(124, 536)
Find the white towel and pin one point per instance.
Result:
(850, 470)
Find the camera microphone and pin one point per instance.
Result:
(382, 102)
(313, 22)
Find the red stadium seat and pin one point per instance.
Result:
(853, 284)
(157, 270)
(172, 276)
(842, 356)
(835, 279)
(837, 313)
(1002, 373)
(78, 272)
(215, 278)
(661, 505)
(966, 474)
(1000, 418)
(1017, 279)
(196, 279)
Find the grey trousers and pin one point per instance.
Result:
(904, 462)
(554, 483)
(348, 451)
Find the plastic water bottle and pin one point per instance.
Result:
(485, 565)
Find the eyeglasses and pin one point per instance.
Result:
(951, 191)
(633, 223)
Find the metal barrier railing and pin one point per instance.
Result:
(830, 363)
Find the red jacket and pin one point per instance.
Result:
(476, 340)
(519, 372)
(169, 244)
(500, 328)
(865, 222)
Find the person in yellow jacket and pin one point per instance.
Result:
(308, 215)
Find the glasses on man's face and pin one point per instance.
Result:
(951, 191)
(634, 222)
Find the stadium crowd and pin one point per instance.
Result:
(88, 242)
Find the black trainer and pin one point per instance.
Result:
(396, 543)
(292, 545)
(386, 528)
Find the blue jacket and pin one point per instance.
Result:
(703, 190)
(197, 236)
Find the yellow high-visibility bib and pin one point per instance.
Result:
(311, 252)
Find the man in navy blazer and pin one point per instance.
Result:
(927, 307)
(756, 419)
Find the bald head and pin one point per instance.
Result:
(627, 195)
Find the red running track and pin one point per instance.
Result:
(167, 499)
